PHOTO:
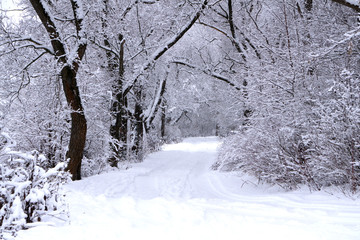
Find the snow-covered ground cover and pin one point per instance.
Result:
(173, 194)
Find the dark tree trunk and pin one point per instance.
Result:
(232, 28)
(137, 147)
(68, 77)
(308, 5)
(118, 130)
(217, 130)
(245, 83)
(119, 115)
(78, 122)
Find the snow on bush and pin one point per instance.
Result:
(27, 191)
(320, 148)
(284, 160)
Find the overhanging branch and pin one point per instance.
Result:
(348, 4)
(210, 73)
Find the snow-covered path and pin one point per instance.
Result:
(174, 195)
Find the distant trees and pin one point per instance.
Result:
(132, 56)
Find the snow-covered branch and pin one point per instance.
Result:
(79, 14)
(208, 72)
(150, 113)
(169, 43)
(234, 41)
(33, 61)
(26, 46)
(354, 4)
(35, 44)
(78, 17)
(42, 10)
(348, 36)
(106, 48)
(149, 1)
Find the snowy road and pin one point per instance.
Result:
(174, 195)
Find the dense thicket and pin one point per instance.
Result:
(302, 91)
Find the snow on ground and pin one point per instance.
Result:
(173, 194)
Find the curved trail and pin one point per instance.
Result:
(173, 194)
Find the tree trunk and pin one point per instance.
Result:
(68, 77)
(78, 122)
(137, 148)
(308, 5)
(247, 111)
(118, 130)
(163, 120)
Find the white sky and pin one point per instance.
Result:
(9, 5)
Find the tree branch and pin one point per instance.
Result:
(49, 24)
(233, 40)
(34, 60)
(231, 24)
(171, 42)
(37, 45)
(82, 43)
(210, 73)
(150, 113)
(26, 46)
(348, 4)
(107, 49)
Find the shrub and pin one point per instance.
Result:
(27, 191)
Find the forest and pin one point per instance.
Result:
(96, 85)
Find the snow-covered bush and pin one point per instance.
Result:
(272, 158)
(27, 191)
(322, 151)
(340, 130)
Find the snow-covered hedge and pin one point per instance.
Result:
(27, 191)
(291, 159)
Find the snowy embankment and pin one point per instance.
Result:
(173, 194)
